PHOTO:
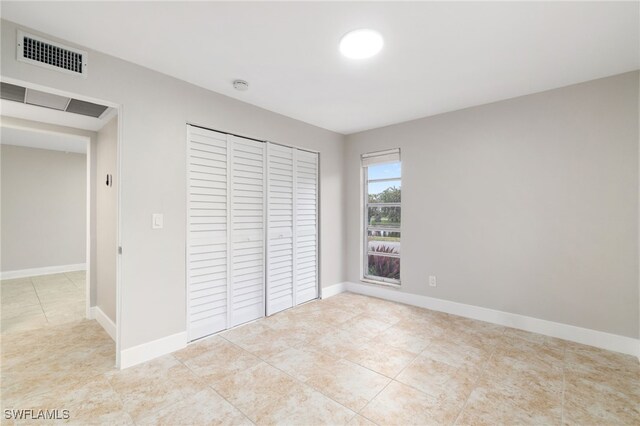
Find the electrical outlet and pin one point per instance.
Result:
(432, 281)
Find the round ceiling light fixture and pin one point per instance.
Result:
(241, 85)
(361, 44)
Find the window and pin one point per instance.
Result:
(382, 216)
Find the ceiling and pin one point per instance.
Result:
(437, 56)
(43, 140)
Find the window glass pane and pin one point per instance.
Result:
(384, 192)
(383, 241)
(382, 247)
(384, 216)
(384, 171)
(384, 267)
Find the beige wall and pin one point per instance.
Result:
(527, 206)
(106, 218)
(156, 109)
(43, 207)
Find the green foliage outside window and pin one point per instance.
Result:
(385, 215)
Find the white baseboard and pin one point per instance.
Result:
(600, 339)
(154, 349)
(102, 319)
(33, 272)
(334, 289)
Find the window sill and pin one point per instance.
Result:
(383, 283)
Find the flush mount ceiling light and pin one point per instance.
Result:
(361, 44)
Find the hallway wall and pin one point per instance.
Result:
(43, 207)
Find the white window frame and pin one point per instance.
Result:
(375, 158)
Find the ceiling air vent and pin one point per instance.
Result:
(45, 53)
(85, 108)
(11, 92)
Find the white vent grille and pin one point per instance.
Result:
(48, 54)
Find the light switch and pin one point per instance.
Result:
(157, 220)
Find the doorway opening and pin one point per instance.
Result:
(60, 213)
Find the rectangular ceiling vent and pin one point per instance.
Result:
(11, 92)
(45, 53)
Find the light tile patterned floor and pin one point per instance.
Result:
(349, 359)
(35, 302)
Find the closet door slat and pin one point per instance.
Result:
(280, 188)
(207, 228)
(306, 226)
(247, 251)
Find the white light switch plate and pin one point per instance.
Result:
(432, 281)
(157, 221)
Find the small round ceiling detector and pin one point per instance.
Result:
(240, 85)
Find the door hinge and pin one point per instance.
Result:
(119, 249)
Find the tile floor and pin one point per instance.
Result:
(36, 302)
(349, 359)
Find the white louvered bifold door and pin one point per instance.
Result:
(280, 228)
(306, 226)
(240, 193)
(247, 254)
(207, 232)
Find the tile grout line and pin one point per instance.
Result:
(473, 388)
(39, 300)
(368, 340)
(50, 389)
(266, 361)
(137, 422)
(391, 379)
(49, 323)
(277, 368)
(20, 315)
(84, 284)
(372, 399)
(213, 389)
(410, 362)
(295, 378)
(289, 375)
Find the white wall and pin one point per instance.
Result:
(106, 218)
(92, 136)
(155, 110)
(43, 207)
(528, 206)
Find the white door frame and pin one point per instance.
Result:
(119, 109)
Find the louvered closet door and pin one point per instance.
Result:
(207, 232)
(247, 254)
(280, 228)
(306, 226)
